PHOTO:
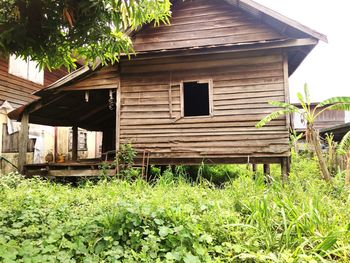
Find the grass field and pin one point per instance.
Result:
(175, 220)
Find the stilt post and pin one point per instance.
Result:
(285, 169)
(23, 142)
(75, 143)
(267, 173)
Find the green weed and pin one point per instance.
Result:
(172, 220)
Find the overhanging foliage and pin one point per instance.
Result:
(56, 33)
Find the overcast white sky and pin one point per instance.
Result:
(326, 69)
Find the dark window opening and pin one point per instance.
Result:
(196, 99)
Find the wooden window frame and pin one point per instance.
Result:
(70, 140)
(211, 102)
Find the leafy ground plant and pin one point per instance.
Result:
(175, 221)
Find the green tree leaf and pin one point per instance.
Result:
(189, 258)
(58, 33)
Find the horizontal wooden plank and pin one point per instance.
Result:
(213, 62)
(247, 88)
(149, 101)
(214, 124)
(79, 173)
(148, 108)
(236, 30)
(176, 130)
(149, 87)
(158, 60)
(150, 94)
(16, 91)
(216, 145)
(221, 40)
(269, 150)
(245, 96)
(233, 118)
(212, 22)
(243, 106)
(225, 104)
(209, 139)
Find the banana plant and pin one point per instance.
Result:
(309, 116)
(344, 145)
(344, 149)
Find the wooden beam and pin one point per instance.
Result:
(23, 142)
(79, 173)
(266, 45)
(117, 116)
(75, 143)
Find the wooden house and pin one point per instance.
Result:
(195, 89)
(19, 79)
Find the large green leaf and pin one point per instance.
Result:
(274, 115)
(284, 105)
(334, 100)
(307, 95)
(339, 106)
(302, 101)
(344, 145)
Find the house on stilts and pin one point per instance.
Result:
(193, 92)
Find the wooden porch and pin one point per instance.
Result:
(67, 169)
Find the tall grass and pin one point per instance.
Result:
(307, 220)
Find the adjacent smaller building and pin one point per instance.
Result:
(19, 79)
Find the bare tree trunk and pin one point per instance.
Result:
(315, 137)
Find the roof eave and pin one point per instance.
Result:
(261, 11)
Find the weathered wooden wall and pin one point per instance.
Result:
(198, 23)
(15, 90)
(10, 141)
(18, 91)
(242, 85)
(103, 78)
(329, 119)
(52, 76)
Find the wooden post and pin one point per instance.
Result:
(75, 143)
(286, 87)
(117, 121)
(254, 167)
(285, 169)
(267, 173)
(23, 142)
